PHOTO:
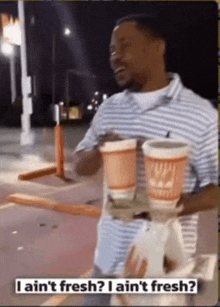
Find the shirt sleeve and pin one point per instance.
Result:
(92, 135)
(207, 158)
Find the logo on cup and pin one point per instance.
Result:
(165, 163)
(161, 176)
(165, 177)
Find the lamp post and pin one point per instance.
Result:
(67, 32)
(14, 34)
(53, 70)
(13, 78)
(27, 137)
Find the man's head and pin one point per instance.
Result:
(137, 52)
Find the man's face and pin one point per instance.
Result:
(133, 56)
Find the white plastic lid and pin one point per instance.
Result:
(166, 148)
(119, 145)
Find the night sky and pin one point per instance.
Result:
(192, 46)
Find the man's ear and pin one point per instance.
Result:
(161, 47)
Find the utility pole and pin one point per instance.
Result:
(13, 78)
(27, 137)
(53, 70)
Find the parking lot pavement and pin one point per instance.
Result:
(37, 242)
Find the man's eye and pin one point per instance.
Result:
(127, 44)
(120, 48)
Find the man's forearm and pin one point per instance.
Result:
(205, 200)
(88, 162)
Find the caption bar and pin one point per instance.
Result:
(95, 285)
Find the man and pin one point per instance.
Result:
(154, 104)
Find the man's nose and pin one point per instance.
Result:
(115, 57)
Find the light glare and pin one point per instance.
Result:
(67, 32)
(7, 48)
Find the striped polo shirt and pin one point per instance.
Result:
(180, 113)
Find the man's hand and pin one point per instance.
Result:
(87, 163)
(109, 137)
(131, 266)
(169, 265)
(206, 199)
(131, 269)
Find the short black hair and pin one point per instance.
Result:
(150, 23)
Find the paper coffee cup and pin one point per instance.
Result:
(120, 167)
(165, 163)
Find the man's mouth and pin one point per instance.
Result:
(119, 70)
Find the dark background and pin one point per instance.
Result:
(192, 47)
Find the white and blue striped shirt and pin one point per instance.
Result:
(183, 114)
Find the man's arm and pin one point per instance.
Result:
(87, 163)
(206, 164)
(205, 200)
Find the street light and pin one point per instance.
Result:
(67, 31)
(11, 29)
(11, 32)
(7, 49)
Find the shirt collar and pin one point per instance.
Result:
(173, 91)
(176, 86)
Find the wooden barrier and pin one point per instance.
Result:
(38, 173)
(59, 168)
(43, 203)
